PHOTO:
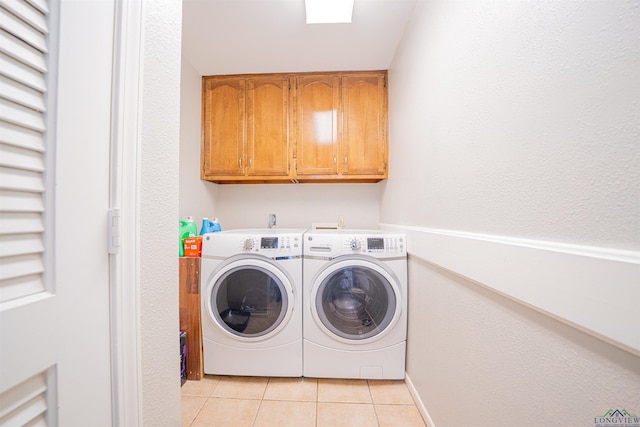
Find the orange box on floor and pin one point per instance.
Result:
(193, 246)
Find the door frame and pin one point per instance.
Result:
(124, 260)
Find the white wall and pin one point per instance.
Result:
(299, 205)
(518, 118)
(479, 359)
(518, 122)
(197, 198)
(158, 205)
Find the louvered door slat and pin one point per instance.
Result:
(14, 223)
(21, 51)
(20, 266)
(13, 179)
(27, 13)
(21, 286)
(21, 94)
(19, 158)
(23, 30)
(21, 137)
(23, 415)
(17, 396)
(40, 5)
(41, 421)
(20, 244)
(21, 116)
(20, 201)
(21, 73)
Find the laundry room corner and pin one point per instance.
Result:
(197, 198)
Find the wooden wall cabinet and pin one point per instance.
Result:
(317, 124)
(246, 128)
(332, 127)
(342, 126)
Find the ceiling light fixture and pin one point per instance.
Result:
(328, 11)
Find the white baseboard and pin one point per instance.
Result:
(418, 401)
(596, 290)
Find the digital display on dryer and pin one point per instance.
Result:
(269, 243)
(375, 243)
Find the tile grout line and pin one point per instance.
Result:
(264, 392)
(317, 401)
(199, 410)
(375, 411)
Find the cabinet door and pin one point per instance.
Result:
(223, 127)
(318, 101)
(364, 127)
(268, 126)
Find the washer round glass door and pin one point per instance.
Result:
(250, 299)
(356, 300)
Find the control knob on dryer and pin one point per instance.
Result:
(248, 245)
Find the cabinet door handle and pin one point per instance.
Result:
(250, 162)
(335, 161)
(240, 162)
(345, 160)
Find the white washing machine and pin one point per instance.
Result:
(251, 298)
(355, 304)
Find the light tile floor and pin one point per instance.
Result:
(299, 402)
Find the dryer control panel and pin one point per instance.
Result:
(328, 244)
(382, 244)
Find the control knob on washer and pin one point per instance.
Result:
(355, 244)
(248, 245)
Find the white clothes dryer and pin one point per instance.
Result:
(355, 304)
(251, 299)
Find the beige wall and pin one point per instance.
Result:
(515, 124)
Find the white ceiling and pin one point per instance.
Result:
(270, 36)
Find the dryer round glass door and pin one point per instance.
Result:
(250, 299)
(356, 300)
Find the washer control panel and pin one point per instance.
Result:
(272, 245)
(367, 244)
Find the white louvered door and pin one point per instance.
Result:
(55, 90)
